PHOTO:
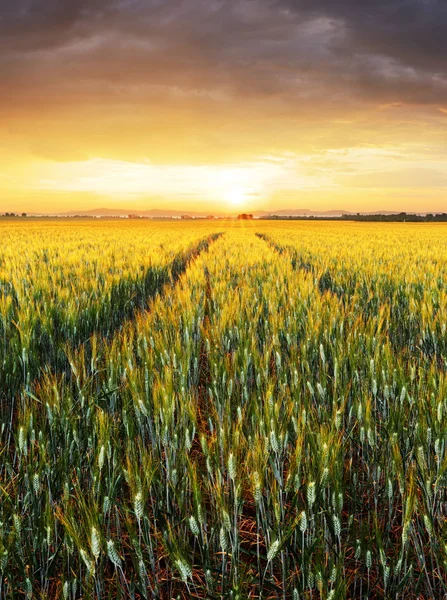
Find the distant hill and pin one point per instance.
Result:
(173, 213)
(166, 212)
(123, 212)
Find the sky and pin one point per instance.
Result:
(223, 104)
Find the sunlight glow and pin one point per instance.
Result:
(236, 197)
(232, 185)
(269, 180)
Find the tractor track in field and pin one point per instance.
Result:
(179, 267)
(165, 283)
(325, 281)
(370, 308)
(164, 286)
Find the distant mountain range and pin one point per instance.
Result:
(124, 212)
(160, 213)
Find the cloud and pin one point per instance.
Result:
(224, 82)
(330, 51)
(207, 182)
(411, 32)
(347, 168)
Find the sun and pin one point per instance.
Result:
(235, 196)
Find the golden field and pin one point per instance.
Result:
(218, 409)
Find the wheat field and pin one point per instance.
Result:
(223, 410)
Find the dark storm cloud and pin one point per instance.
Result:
(412, 32)
(335, 51)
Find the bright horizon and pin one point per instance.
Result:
(219, 106)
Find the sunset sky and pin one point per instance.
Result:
(223, 104)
